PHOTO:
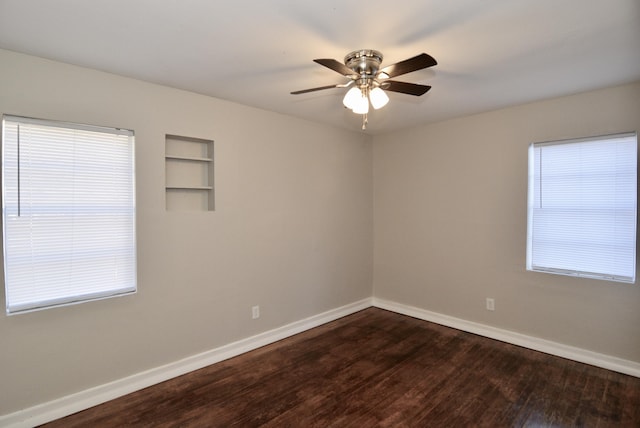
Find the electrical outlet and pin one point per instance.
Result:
(491, 304)
(255, 312)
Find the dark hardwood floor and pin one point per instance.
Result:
(377, 368)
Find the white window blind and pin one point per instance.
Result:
(582, 207)
(68, 196)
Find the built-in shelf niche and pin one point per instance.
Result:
(189, 174)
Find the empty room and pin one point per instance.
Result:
(292, 213)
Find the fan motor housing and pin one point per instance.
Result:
(365, 62)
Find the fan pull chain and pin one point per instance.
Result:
(365, 120)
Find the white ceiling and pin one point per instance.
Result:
(490, 53)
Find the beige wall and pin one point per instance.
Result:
(450, 223)
(292, 232)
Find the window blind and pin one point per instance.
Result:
(582, 207)
(69, 213)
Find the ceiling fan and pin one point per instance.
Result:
(362, 67)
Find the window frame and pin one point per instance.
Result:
(124, 146)
(530, 265)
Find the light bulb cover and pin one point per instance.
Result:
(379, 98)
(362, 104)
(351, 97)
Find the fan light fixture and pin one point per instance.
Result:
(370, 82)
(364, 64)
(357, 99)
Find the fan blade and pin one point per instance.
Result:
(408, 65)
(404, 87)
(336, 66)
(304, 91)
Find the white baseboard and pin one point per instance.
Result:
(608, 362)
(73, 403)
(67, 405)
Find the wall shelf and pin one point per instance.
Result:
(188, 187)
(188, 158)
(189, 174)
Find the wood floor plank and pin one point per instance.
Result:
(378, 368)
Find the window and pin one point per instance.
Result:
(68, 194)
(582, 207)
